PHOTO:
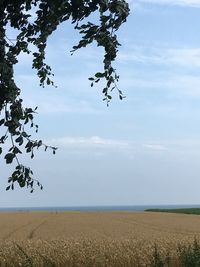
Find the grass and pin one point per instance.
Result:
(195, 211)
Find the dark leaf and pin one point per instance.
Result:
(9, 157)
(7, 188)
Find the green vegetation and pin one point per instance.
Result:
(195, 211)
(187, 256)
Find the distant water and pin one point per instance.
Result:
(99, 208)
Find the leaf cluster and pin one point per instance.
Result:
(34, 21)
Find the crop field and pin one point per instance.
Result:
(92, 238)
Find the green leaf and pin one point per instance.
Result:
(19, 140)
(2, 122)
(100, 75)
(24, 134)
(16, 150)
(7, 188)
(9, 158)
(22, 183)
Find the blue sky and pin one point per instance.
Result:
(142, 150)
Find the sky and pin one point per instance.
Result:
(142, 150)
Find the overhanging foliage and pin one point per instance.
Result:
(33, 32)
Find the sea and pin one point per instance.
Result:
(133, 208)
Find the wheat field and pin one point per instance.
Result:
(92, 238)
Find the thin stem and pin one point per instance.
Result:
(10, 40)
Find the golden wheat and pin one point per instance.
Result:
(92, 238)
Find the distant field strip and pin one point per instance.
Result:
(92, 238)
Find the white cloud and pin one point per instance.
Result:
(176, 86)
(186, 3)
(185, 57)
(173, 63)
(88, 142)
(155, 147)
(129, 148)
